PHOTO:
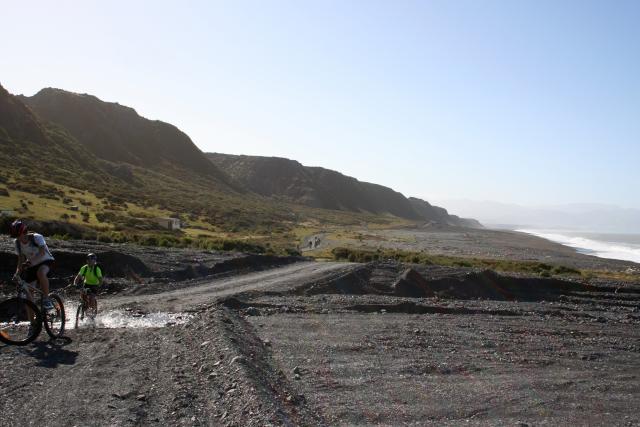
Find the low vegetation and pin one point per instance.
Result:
(508, 266)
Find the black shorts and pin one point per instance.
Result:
(91, 289)
(31, 274)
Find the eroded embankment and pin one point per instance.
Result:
(462, 284)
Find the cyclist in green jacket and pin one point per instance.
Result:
(91, 275)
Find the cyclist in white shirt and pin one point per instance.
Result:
(34, 258)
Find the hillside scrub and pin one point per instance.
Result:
(528, 267)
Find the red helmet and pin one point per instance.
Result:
(17, 228)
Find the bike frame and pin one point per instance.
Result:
(24, 288)
(84, 299)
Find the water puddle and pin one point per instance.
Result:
(125, 319)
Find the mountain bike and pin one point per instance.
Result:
(21, 320)
(83, 307)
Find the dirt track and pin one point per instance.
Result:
(277, 280)
(328, 344)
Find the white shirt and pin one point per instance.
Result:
(32, 252)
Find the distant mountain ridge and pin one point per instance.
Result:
(586, 217)
(323, 188)
(440, 215)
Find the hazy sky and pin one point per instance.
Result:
(532, 102)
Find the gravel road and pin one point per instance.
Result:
(329, 344)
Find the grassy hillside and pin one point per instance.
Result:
(48, 174)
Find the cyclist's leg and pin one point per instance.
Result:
(91, 294)
(30, 313)
(30, 275)
(43, 279)
(84, 297)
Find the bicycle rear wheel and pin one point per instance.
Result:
(54, 320)
(20, 321)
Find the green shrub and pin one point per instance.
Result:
(148, 241)
(561, 269)
(529, 267)
(292, 252)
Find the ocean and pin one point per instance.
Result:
(617, 246)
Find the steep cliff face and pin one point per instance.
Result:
(18, 122)
(34, 149)
(312, 186)
(323, 188)
(118, 134)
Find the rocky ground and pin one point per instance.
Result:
(271, 341)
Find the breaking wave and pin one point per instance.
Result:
(600, 248)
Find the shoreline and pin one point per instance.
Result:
(588, 246)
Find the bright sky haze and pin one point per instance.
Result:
(529, 102)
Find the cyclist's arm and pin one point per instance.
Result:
(97, 271)
(79, 277)
(78, 280)
(21, 260)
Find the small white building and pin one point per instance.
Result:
(168, 223)
(7, 212)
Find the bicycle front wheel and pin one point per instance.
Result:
(20, 321)
(54, 319)
(79, 314)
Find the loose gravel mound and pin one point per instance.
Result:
(491, 285)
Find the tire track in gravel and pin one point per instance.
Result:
(278, 279)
